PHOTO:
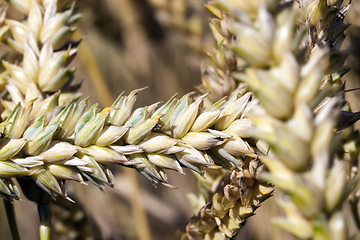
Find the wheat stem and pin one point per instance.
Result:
(137, 206)
(45, 214)
(10, 214)
(355, 213)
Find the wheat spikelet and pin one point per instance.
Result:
(59, 146)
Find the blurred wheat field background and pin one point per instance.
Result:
(130, 44)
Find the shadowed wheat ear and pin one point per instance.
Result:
(236, 198)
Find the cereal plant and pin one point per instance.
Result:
(270, 115)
